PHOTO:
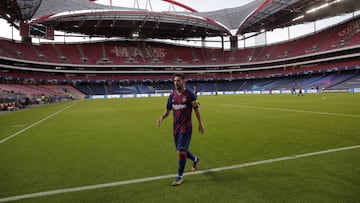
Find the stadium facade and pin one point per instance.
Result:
(133, 59)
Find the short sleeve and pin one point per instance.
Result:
(192, 96)
(169, 103)
(193, 100)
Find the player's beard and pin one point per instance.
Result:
(179, 87)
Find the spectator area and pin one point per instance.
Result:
(141, 53)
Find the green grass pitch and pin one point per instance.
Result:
(103, 141)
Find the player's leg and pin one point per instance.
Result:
(190, 155)
(195, 160)
(182, 162)
(182, 143)
(185, 144)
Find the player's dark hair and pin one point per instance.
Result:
(181, 75)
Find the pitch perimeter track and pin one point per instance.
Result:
(149, 179)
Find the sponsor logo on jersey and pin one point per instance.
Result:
(179, 106)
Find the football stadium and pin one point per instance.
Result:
(84, 84)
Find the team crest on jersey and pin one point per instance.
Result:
(184, 99)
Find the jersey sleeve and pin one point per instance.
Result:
(193, 100)
(169, 103)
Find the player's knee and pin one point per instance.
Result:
(182, 155)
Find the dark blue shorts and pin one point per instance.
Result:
(182, 141)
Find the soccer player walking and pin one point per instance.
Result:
(181, 102)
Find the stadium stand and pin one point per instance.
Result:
(242, 56)
(143, 77)
(330, 80)
(351, 82)
(343, 35)
(102, 55)
(273, 52)
(135, 52)
(46, 53)
(69, 53)
(182, 55)
(18, 50)
(39, 90)
(160, 53)
(92, 53)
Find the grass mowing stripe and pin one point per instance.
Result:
(142, 180)
(36, 123)
(292, 110)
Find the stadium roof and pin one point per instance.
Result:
(273, 14)
(83, 16)
(261, 15)
(232, 17)
(135, 24)
(99, 20)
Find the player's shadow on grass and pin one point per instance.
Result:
(217, 177)
(243, 177)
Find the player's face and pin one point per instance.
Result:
(179, 83)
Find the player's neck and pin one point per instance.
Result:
(181, 90)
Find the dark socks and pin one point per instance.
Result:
(190, 155)
(182, 163)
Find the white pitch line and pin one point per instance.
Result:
(149, 179)
(36, 123)
(293, 110)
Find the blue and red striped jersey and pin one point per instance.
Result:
(182, 105)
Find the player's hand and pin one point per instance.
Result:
(159, 121)
(201, 128)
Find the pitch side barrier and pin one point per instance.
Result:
(311, 91)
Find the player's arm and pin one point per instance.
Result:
(166, 112)
(161, 119)
(195, 105)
